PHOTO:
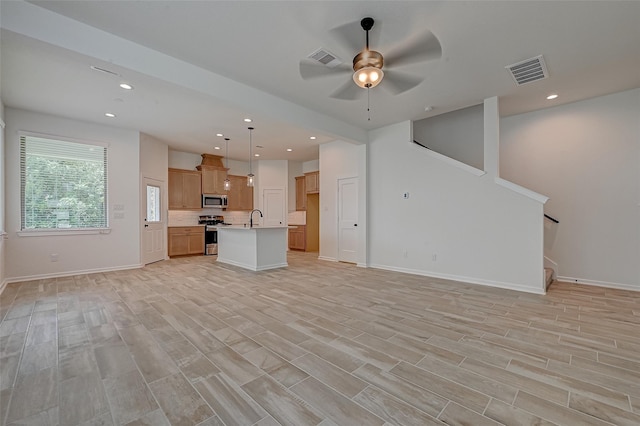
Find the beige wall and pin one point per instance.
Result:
(586, 157)
(455, 224)
(2, 198)
(30, 257)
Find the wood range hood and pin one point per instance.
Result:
(211, 161)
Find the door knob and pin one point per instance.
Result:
(146, 226)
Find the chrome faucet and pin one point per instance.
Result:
(251, 217)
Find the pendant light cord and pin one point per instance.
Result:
(250, 150)
(226, 153)
(368, 105)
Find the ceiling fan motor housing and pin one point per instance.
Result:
(367, 58)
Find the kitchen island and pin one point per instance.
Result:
(258, 248)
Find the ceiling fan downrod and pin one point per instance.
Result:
(367, 64)
(367, 24)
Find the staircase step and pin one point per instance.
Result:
(548, 276)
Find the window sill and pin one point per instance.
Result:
(62, 232)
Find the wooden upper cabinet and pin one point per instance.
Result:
(240, 196)
(312, 182)
(213, 180)
(185, 189)
(301, 193)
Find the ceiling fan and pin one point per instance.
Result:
(370, 68)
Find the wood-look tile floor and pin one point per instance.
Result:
(191, 342)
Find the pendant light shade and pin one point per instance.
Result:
(227, 182)
(250, 176)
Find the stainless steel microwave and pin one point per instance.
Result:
(212, 200)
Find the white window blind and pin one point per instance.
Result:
(63, 184)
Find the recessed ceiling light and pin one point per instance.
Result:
(289, 149)
(216, 147)
(552, 96)
(256, 155)
(248, 120)
(219, 134)
(126, 86)
(110, 114)
(313, 138)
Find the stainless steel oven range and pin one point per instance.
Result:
(211, 233)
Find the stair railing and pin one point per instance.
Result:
(551, 218)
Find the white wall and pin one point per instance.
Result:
(29, 257)
(310, 166)
(270, 174)
(455, 224)
(586, 157)
(2, 198)
(456, 134)
(154, 158)
(340, 160)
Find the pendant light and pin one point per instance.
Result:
(227, 182)
(250, 176)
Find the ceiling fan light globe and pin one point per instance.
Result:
(368, 77)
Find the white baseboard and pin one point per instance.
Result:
(606, 284)
(467, 280)
(328, 259)
(3, 285)
(71, 273)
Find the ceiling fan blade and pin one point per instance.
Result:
(348, 91)
(396, 82)
(310, 69)
(352, 37)
(425, 46)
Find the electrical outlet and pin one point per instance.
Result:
(434, 257)
(53, 257)
(405, 253)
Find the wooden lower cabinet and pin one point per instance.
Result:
(186, 240)
(298, 238)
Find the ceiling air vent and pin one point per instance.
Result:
(325, 57)
(528, 70)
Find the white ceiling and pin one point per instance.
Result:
(200, 67)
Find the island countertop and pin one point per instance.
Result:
(257, 248)
(251, 228)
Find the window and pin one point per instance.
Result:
(153, 203)
(63, 184)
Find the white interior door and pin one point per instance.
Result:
(348, 220)
(273, 207)
(153, 241)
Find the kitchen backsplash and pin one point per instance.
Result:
(190, 217)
